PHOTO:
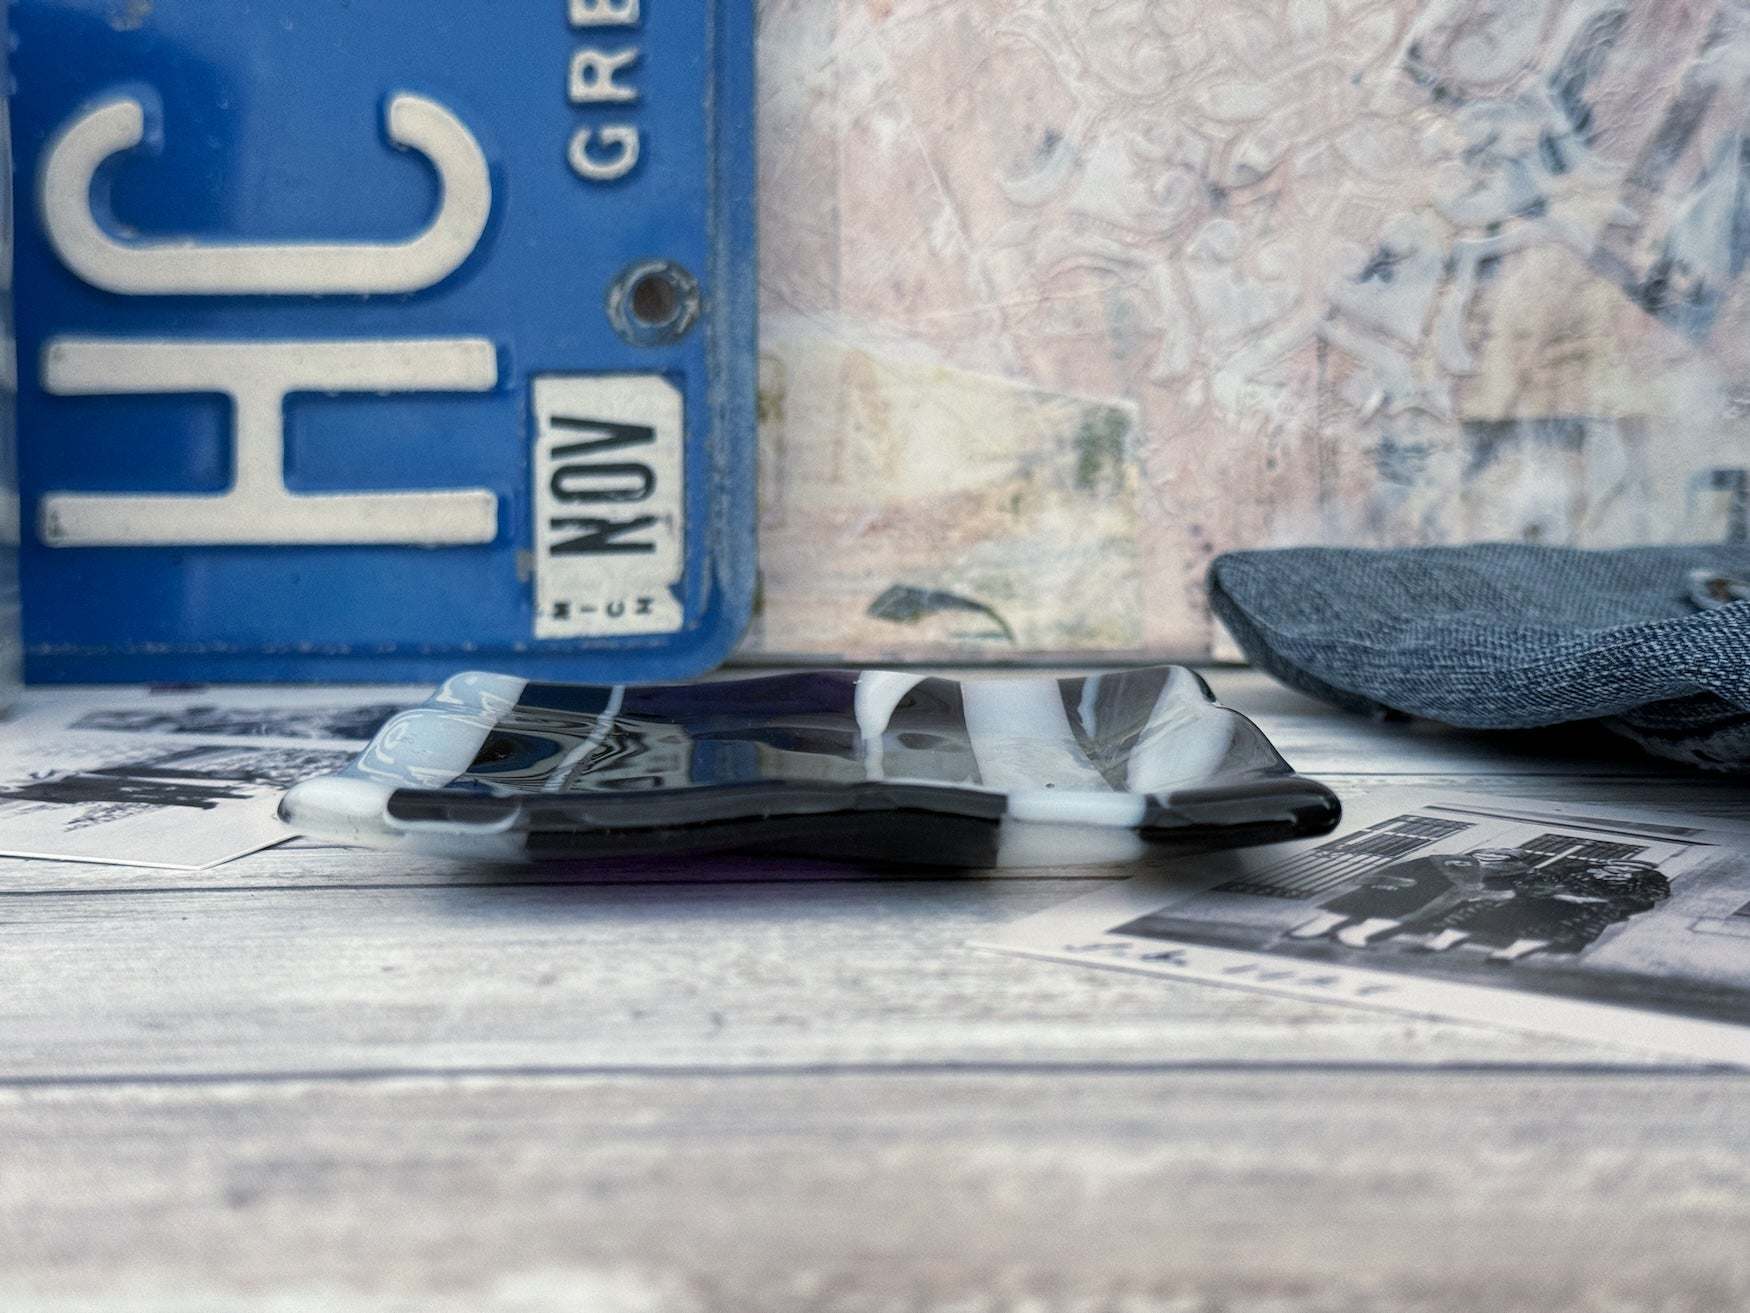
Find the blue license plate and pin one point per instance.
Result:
(366, 340)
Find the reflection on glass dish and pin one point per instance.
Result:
(870, 766)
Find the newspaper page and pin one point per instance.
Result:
(1604, 924)
(182, 779)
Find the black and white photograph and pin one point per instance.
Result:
(337, 715)
(1584, 920)
(209, 720)
(172, 777)
(148, 802)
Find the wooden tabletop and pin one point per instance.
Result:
(319, 1079)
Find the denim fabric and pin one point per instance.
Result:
(1510, 637)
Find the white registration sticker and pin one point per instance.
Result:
(609, 499)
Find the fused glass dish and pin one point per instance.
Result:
(859, 766)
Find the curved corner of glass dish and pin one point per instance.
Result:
(346, 808)
(424, 748)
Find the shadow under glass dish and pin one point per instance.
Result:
(870, 766)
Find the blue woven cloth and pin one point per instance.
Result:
(1651, 641)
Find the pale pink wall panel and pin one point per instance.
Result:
(1064, 297)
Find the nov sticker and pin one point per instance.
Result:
(609, 500)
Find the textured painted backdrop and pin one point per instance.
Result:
(1064, 297)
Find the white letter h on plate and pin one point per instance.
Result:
(259, 509)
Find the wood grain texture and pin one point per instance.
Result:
(1211, 1193)
(464, 977)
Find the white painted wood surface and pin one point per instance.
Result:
(321, 1079)
(1234, 1191)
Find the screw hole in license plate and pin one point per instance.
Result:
(654, 304)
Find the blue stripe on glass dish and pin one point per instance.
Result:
(869, 766)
